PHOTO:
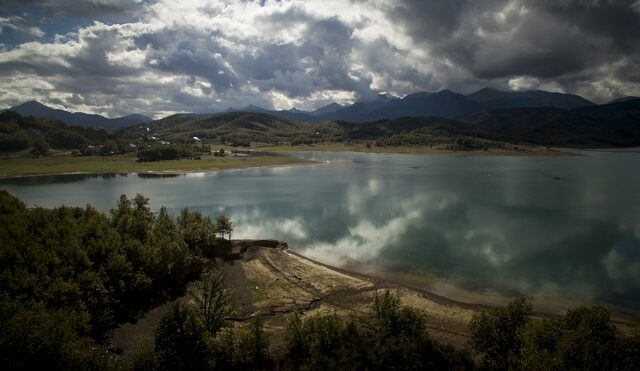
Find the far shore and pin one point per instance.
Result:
(263, 157)
(510, 150)
(120, 164)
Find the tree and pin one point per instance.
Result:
(583, 339)
(390, 319)
(253, 347)
(197, 229)
(180, 343)
(214, 302)
(40, 148)
(495, 335)
(224, 226)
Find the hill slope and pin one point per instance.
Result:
(595, 126)
(36, 109)
(236, 127)
(18, 133)
(489, 98)
(616, 124)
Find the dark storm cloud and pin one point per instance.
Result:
(154, 56)
(77, 8)
(189, 52)
(318, 60)
(544, 39)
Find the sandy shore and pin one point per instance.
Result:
(273, 282)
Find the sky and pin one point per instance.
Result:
(158, 57)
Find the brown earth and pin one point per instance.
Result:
(269, 281)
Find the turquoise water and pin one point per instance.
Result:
(565, 226)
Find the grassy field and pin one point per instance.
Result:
(128, 163)
(337, 147)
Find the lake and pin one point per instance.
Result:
(566, 226)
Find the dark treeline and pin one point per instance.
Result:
(390, 337)
(160, 152)
(19, 133)
(508, 338)
(70, 274)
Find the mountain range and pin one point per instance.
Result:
(35, 109)
(445, 104)
(609, 125)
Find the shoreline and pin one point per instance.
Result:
(159, 173)
(292, 160)
(170, 172)
(271, 281)
(620, 315)
(526, 151)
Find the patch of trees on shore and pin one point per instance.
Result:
(162, 152)
(70, 274)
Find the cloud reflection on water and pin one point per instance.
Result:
(496, 223)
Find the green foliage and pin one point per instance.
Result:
(496, 334)
(71, 274)
(583, 339)
(392, 320)
(214, 302)
(198, 230)
(13, 142)
(40, 148)
(180, 342)
(19, 133)
(394, 337)
(224, 226)
(252, 348)
(34, 338)
(244, 348)
(161, 152)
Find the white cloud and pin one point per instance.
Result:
(169, 56)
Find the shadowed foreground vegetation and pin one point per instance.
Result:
(70, 275)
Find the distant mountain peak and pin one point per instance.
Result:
(380, 97)
(329, 108)
(254, 109)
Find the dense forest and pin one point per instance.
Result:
(19, 133)
(71, 274)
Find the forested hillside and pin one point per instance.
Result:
(596, 126)
(19, 133)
